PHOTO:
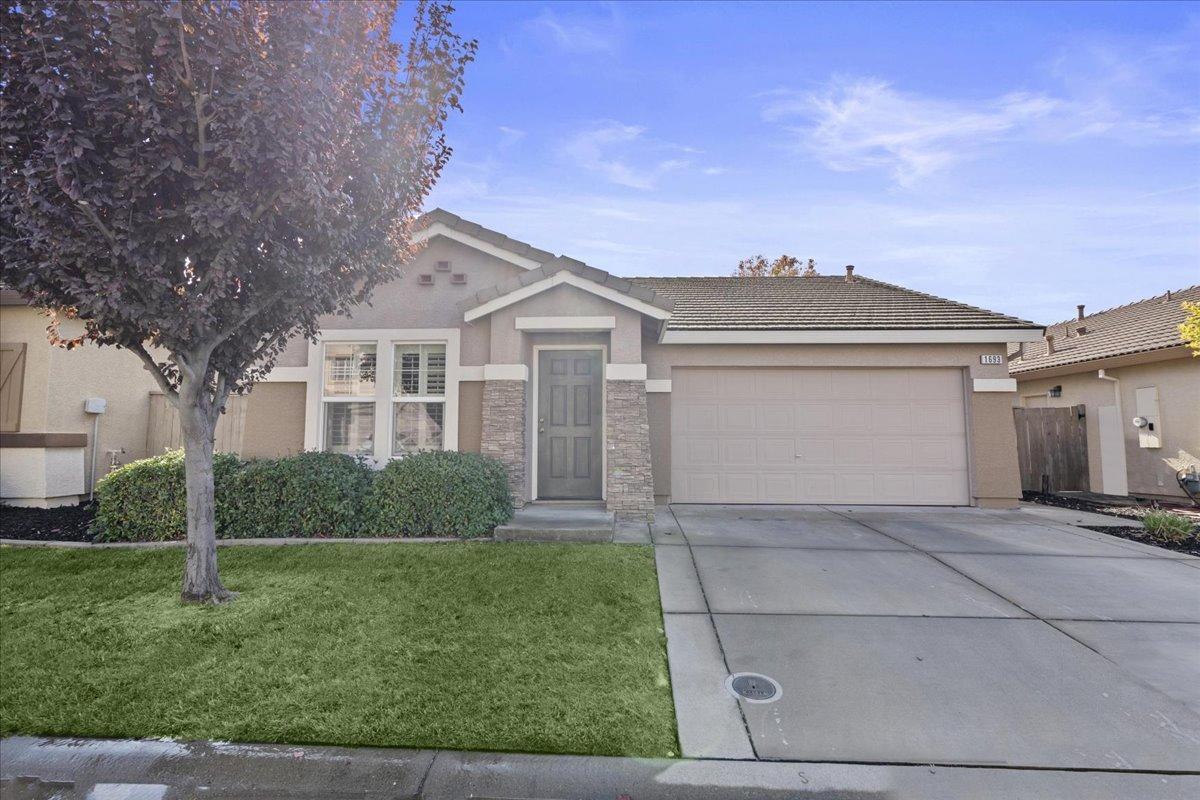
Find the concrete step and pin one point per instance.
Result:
(559, 522)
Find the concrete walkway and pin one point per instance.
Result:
(958, 636)
(82, 769)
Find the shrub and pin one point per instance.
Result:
(439, 494)
(1170, 527)
(146, 500)
(310, 494)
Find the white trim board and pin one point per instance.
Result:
(895, 336)
(993, 384)
(570, 279)
(566, 323)
(658, 385)
(442, 229)
(505, 372)
(624, 372)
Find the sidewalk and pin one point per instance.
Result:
(74, 769)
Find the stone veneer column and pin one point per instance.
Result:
(630, 488)
(503, 435)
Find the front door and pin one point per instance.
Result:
(570, 403)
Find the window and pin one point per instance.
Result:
(418, 397)
(349, 422)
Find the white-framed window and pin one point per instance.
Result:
(348, 397)
(383, 392)
(418, 397)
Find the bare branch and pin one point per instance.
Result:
(152, 367)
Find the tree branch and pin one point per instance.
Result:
(152, 366)
(99, 223)
(245, 317)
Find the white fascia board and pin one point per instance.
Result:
(658, 385)
(288, 375)
(566, 323)
(625, 372)
(505, 372)
(561, 278)
(441, 229)
(895, 336)
(994, 384)
(470, 373)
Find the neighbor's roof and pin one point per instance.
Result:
(1139, 327)
(822, 302)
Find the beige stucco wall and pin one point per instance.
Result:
(995, 480)
(274, 424)
(470, 416)
(1178, 382)
(58, 380)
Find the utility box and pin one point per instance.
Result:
(95, 405)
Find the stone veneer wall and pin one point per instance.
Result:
(630, 490)
(503, 435)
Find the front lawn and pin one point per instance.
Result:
(533, 648)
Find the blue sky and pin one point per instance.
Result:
(1022, 157)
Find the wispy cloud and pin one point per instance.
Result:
(578, 33)
(623, 155)
(867, 123)
(1111, 90)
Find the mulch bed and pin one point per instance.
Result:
(62, 524)
(1191, 548)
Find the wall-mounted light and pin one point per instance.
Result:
(1055, 391)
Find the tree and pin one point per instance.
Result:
(198, 182)
(1190, 327)
(785, 266)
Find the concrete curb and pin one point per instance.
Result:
(276, 542)
(45, 767)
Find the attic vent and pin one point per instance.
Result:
(442, 266)
(425, 280)
(458, 278)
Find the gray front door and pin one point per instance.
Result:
(570, 383)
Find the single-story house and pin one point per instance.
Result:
(1137, 382)
(587, 386)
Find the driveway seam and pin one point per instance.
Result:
(713, 624)
(1048, 622)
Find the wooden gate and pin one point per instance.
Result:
(1052, 449)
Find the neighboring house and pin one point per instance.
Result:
(826, 389)
(1122, 364)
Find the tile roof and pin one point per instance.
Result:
(822, 302)
(1138, 327)
(455, 222)
(564, 264)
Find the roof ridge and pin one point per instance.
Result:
(941, 299)
(1130, 304)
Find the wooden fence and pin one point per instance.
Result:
(1052, 449)
(164, 433)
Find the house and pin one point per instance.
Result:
(587, 386)
(1138, 385)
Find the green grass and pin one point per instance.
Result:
(531, 648)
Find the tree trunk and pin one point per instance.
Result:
(201, 583)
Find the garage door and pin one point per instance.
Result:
(883, 436)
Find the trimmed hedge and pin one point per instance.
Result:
(310, 495)
(146, 500)
(439, 494)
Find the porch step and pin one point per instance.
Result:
(559, 522)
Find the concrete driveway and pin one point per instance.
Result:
(930, 636)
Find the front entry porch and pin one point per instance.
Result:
(571, 522)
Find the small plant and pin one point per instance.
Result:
(1169, 527)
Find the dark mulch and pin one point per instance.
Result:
(1191, 547)
(62, 524)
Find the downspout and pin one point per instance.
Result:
(1116, 382)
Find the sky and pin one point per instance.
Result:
(1021, 157)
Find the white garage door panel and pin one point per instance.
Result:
(884, 436)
